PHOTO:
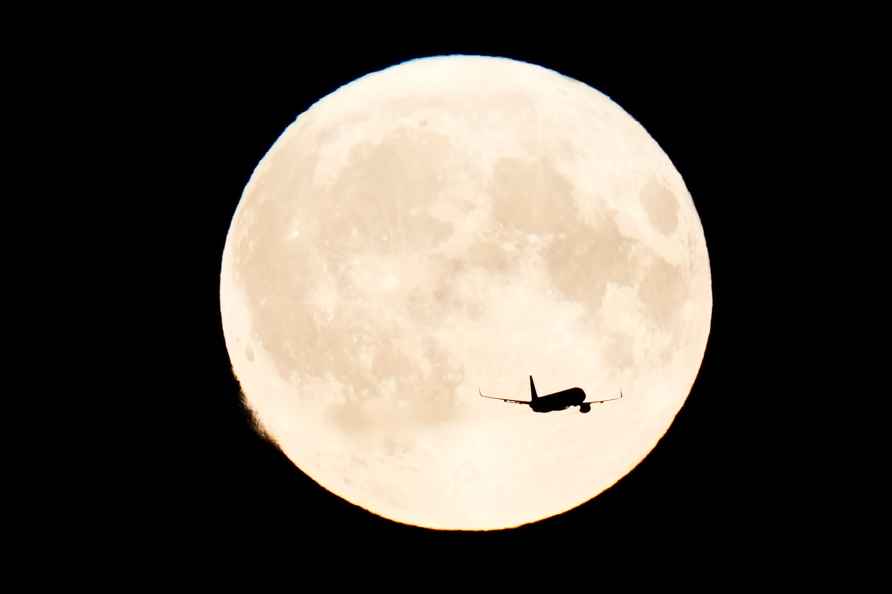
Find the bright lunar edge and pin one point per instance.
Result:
(453, 224)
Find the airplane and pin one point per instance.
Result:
(556, 401)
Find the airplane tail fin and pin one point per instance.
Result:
(533, 393)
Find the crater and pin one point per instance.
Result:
(489, 254)
(383, 197)
(583, 259)
(660, 205)
(426, 389)
(531, 197)
(435, 402)
(662, 292)
(619, 352)
(351, 417)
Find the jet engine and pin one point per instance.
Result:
(585, 407)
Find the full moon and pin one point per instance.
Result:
(455, 224)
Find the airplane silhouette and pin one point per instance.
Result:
(556, 401)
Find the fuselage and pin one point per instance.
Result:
(559, 400)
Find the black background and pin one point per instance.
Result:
(212, 113)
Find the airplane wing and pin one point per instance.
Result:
(607, 400)
(503, 399)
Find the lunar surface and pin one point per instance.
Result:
(453, 224)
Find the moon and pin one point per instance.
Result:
(458, 223)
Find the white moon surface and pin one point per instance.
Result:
(456, 223)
